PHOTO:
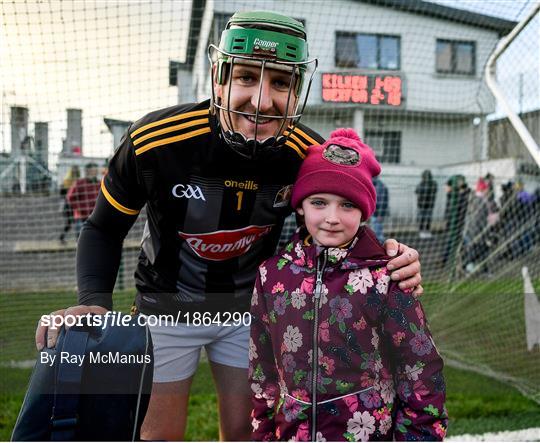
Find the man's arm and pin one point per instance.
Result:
(99, 251)
(99, 248)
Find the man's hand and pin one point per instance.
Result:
(405, 267)
(43, 330)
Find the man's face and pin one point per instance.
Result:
(244, 96)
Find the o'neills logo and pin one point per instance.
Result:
(223, 245)
(249, 185)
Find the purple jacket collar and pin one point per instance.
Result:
(364, 250)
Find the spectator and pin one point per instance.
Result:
(83, 194)
(67, 212)
(457, 196)
(507, 192)
(426, 192)
(381, 209)
(490, 180)
(523, 224)
(477, 220)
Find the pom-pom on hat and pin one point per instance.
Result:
(344, 166)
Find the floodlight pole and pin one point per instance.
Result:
(492, 84)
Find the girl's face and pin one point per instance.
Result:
(331, 220)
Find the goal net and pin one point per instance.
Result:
(408, 76)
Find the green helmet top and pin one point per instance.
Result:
(267, 18)
(264, 35)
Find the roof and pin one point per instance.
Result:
(430, 9)
(110, 122)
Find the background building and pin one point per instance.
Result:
(408, 76)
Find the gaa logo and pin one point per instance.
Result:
(188, 191)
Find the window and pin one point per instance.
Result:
(368, 51)
(455, 57)
(218, 26)
(386, 145)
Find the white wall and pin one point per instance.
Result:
(429, 142)
(424, 142)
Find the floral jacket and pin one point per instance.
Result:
(378, 374)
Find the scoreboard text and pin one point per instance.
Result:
(368, 89)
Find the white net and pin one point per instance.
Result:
(409, 76)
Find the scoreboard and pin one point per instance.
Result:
(366, 89)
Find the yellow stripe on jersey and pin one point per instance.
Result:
(170, 129)
(168, 140)
(301, 144)
(114, 203)
(292, 145)
(304, 135)
(169, 119)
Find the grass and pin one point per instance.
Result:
(482, 323)
(478, 404)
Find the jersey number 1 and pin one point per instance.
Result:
(240, 195)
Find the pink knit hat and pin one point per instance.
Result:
(344, 166)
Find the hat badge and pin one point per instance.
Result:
(341, 155)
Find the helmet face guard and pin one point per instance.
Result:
(264, 49)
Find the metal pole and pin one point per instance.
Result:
(22, 173)
(492, 84)
(521, 93)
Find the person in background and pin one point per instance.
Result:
(334, 342)
(457, 198)
(474, 247)
(67, 212)
(381, 210)
(83, 194)
(426, 192)
(521, 228)
(490, 180)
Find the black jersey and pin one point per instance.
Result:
(212, 215)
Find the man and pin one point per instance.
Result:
(426, 192)
(82, 196)
(216, 179)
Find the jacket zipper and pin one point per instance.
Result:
(315, 356)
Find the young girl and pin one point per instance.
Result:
(337, 350)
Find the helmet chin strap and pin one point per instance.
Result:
(249, 147)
